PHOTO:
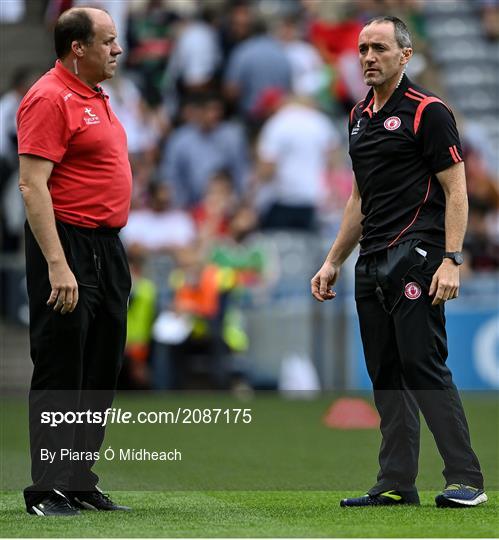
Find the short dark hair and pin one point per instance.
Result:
(402, 35)
(72, 25)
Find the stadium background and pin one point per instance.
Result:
(258, 328)
(262, 306)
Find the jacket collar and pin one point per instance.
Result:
(393, 100)
(74, 83)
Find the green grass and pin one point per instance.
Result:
(254, 514)
(281, 476)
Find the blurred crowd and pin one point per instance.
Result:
(235, 112)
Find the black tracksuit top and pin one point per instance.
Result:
(396, 154)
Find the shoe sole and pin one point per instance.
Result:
(34, 511)
(344, 504)
(446, 502)
(87, 506)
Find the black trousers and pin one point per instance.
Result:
(77, 356)
(405, 347)
(283, 216)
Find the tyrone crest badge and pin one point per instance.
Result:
(412, 290)
(392, 123)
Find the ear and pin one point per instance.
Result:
(406, 55)
(78, 49)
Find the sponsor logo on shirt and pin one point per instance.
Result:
(90, 117)
(392, 123)
(356, 128)
(412, 290)
(67, 96)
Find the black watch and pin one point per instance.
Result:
(456, 256)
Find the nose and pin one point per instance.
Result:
(116, 50)
(370, 57)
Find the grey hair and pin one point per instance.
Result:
(402, 36)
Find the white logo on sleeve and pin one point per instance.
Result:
(356, 128)
(90, 117)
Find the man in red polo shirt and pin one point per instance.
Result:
(75, 180)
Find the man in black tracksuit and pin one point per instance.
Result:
(408, 209)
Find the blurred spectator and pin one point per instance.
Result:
(141, 315)
(149, 43)
(240, 251)
(212, 214)
(12, 214)
(480, 246)
(257, 64)
(143, 128)
(490, 18)
(336, 190)
(12, 11)
(159, 228)
(196, 151)
(22, 79)
(194, 60)
(337, 43)
(200, 294)
(294, 152)
(307, 67)
(54, 9)
(481, 184)
(237, 26)
(476, 139)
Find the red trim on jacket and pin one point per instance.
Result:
(415, 216)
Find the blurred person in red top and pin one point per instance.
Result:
(75, 181)
(212, 214)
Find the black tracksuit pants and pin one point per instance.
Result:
(77, 356)
(405, 346)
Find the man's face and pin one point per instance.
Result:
(210, 115)
(381, 58)
(100, 58)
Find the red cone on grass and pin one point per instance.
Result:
(351, 413)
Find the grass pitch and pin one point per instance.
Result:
(255, 514)
(281, 476)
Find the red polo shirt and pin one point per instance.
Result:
(65, 121)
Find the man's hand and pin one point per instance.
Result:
(64, 295)
(445, 283)
(322, 282)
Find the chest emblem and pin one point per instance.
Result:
(412, 290)
(90, 118)
(392, 123)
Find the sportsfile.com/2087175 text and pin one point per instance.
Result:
(181, 415)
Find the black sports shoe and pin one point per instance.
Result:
(460, 496)
(387, 498)
(96, 500)
(54, 504)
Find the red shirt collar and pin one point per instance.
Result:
(74, 83)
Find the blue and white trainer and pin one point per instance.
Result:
(460, 496)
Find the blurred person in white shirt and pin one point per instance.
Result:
(160, 228)
(307, 68)
(294, 152)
